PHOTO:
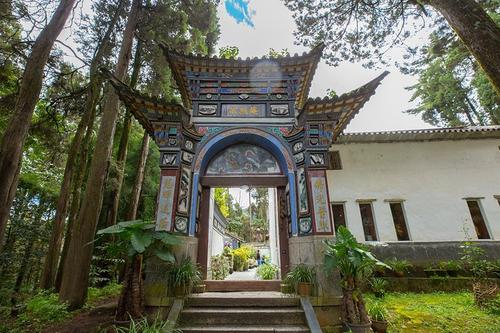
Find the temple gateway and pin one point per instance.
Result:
(251, 122)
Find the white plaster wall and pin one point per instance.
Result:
(431, 177)
(217, 242)
(273, 226)
(210, 226)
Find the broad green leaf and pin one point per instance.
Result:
(166, 238)
(164, 254)
(140, 241)
(114, 229)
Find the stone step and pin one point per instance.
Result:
(242, 300)
(242, 316)
(245, 329)
(251, 285)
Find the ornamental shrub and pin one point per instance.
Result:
(267, 271)
(219, 266)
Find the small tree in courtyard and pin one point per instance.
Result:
(138, 238)
(355, 264)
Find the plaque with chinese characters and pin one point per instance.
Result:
(244, 110)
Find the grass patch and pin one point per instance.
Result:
(43, 310)
(95, 295)
(437, 313)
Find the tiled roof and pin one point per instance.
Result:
(146, 109)
(429, 134)
(341, 109)
(302, 65)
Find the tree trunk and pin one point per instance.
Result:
(478, 32)
(139, 179)
(23, 269)
(75, 279)
(93, 92)
(78, 182)
(21, 274)
(122, 149)
(20, 214)
(11, 147)
(131, 302)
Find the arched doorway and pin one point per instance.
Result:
(244, 157)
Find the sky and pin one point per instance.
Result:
(271, 26)
(255, 26)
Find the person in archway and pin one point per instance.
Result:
(259, 260)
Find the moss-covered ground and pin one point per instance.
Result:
(438, 313)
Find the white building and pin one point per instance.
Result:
(430, 185)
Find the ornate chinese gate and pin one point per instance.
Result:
(260, 103)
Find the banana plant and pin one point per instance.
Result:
(140, 239)
(355, 264)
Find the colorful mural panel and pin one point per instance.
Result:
(302, 189)
(184, 190)
(165, 203)
(243, 159)
(320, 203)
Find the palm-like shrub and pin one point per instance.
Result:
(355, 264)
(138, 238)
(185, 274)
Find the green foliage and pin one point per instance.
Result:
(228, 52)
(95, 295)
(378, 286)
(301, 273)
(221, 197)
(399, 266)
(377, 311)
(139, 236)
(450, 265)
(241, 256)
(472, 258)
(452, 89)
(220, 265)
(43, 308)
(351, 258)
(493, 305)
(267, 271)
(145, 326)
(436, 313)
(185, 274)
(278, 54)
(354, 30)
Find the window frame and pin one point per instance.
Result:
(343, 204)
(374, 220)
(483, 217)
(405, 218)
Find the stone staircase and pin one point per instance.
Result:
(242, 312)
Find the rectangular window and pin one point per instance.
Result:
(334, 162)
(399, 221)
(368, 222)
(478, 219)
(338, 215)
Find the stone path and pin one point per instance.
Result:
(251, 274)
